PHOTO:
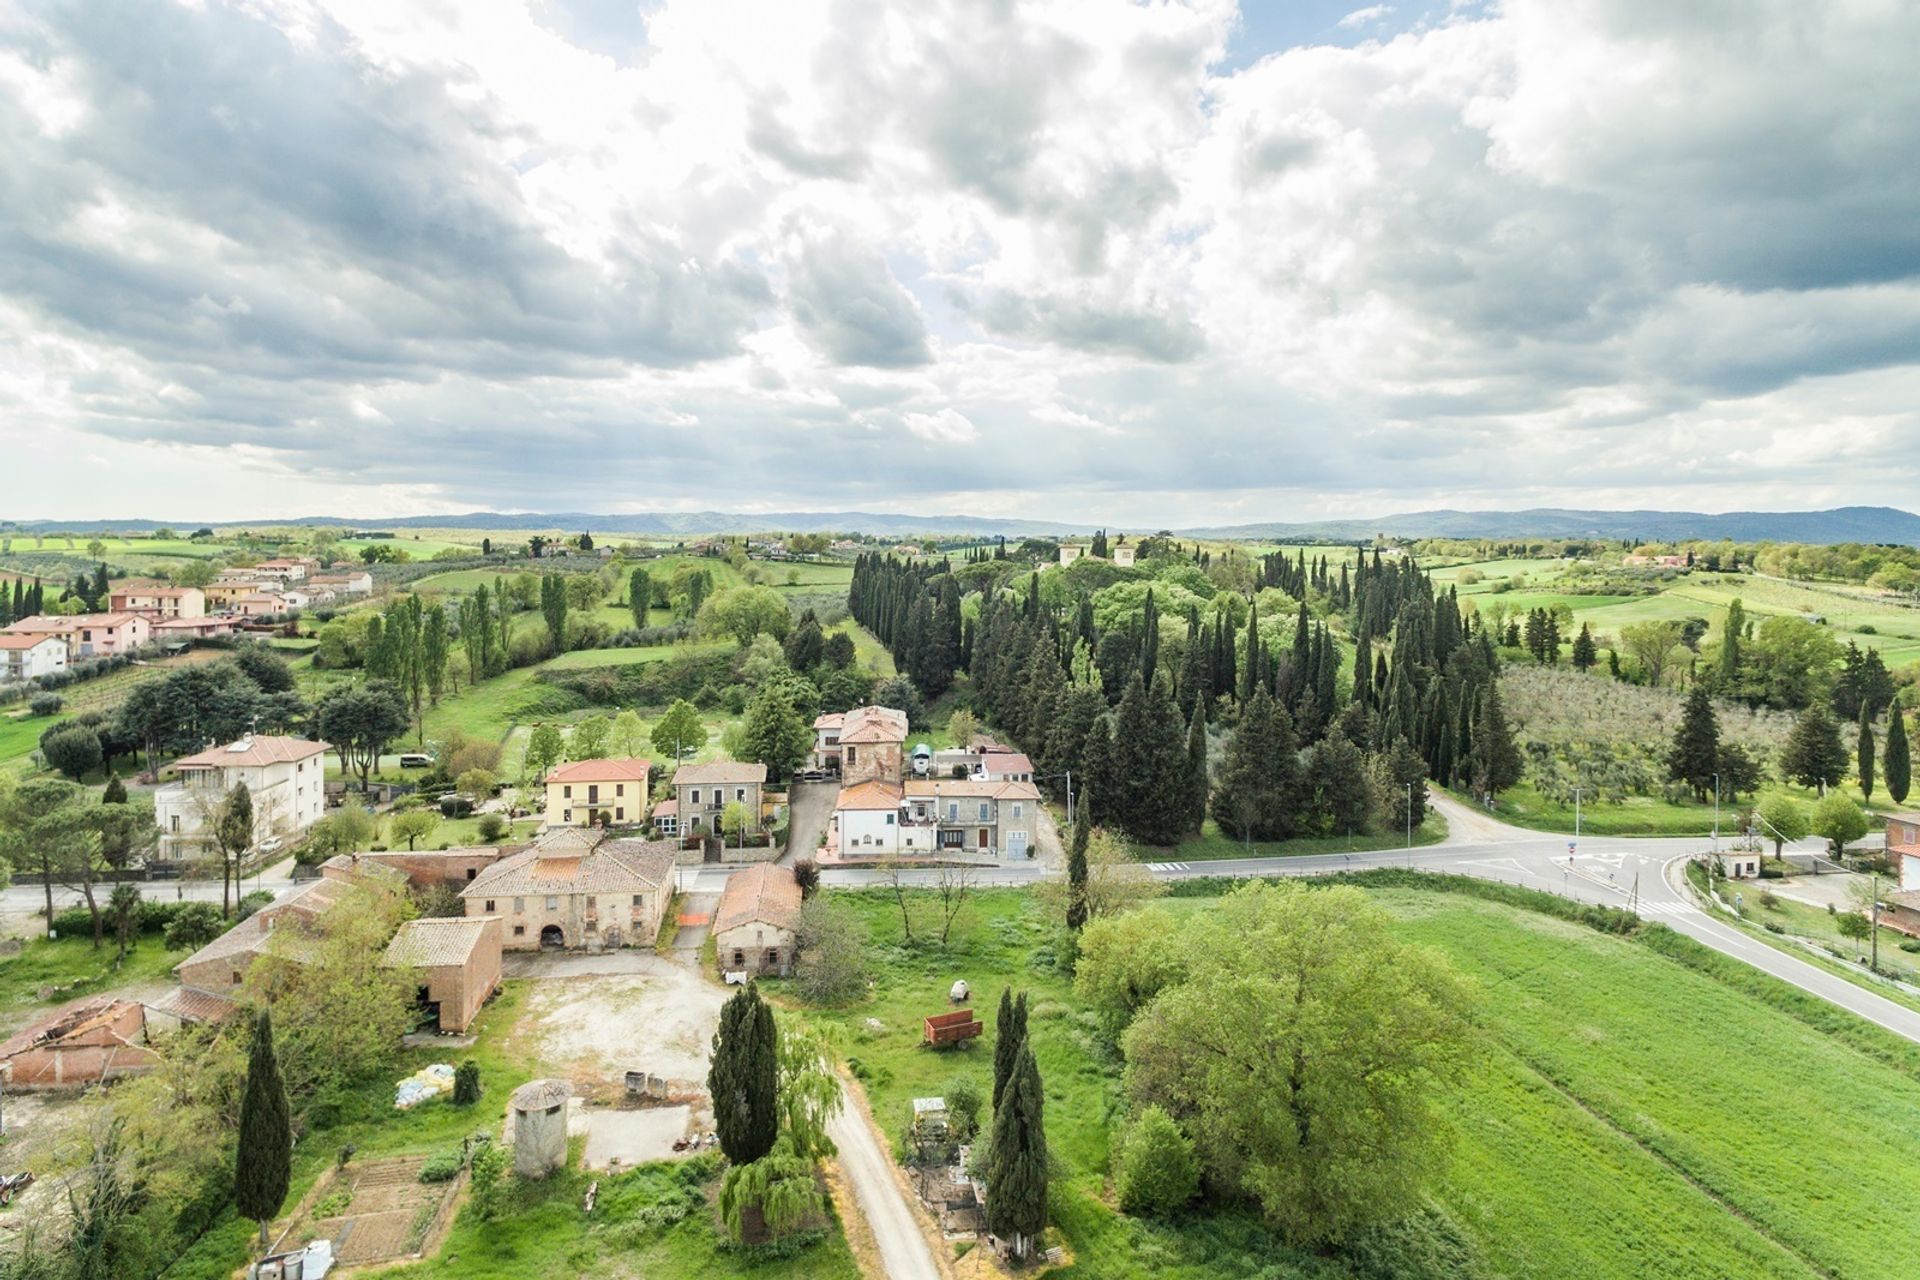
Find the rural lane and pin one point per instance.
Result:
(869, 1170)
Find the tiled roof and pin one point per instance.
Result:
(615, 866)
(261, 749)
(190, 1004)
(70, 622)
(873, 724)
(828, 720)
(985, 789)
(628, 769)
(763, 894)
(869, 795)
(426, 944)
(722, 771)
(67, 1023)
(667, 809)
(1006, 762)
(31, 640)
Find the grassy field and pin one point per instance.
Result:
(635, 657)
(1590, 1138)
(1213, 844)
(72, 967)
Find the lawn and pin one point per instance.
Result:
(1524, 806)
(635, 657)
(868, 653)
(1593, 1137)
(1212, 843)
(20, 736)
(72, 968)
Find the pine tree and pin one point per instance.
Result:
(1695, 753)
(1258, 787)
(1009, 1035)
(1077, 875)
(1863, 751)
(1813, 755)
(743, 1077)
(263, 1160)
(1899, 767)
(1496, 759)
(1584, 653)
(1017, 1157)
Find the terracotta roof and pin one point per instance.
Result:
(43, 623)
(309, 902)
(1006, 762)
(969, 788)
(762, 894)
(614, 866)
(872, 794)
(100, 1015)
(828, 720)
(873, 724)
(425, 944)
(720, 771)
(261, 749)
(606, 769)
(190, 1004)
(33, 640)
(667, 809)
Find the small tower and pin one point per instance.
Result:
(540, 1127)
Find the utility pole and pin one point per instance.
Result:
(1409, 826)
(1576, 820)
(1716, 815)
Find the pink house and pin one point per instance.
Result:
(90, 635)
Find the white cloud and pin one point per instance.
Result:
(785, 247)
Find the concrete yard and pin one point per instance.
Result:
(593, 1027)
(626, 1138)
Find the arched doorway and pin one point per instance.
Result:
(552, 939)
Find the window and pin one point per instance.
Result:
(553, 903)
(639, 900)
(986, 812)
(519, 931)
(853, 753)
(739, 959)
(566, 792)
(739, 793)
(619, 815)
(620, 789)
(519, 905)
(889, 819)
(489, 906)
(566, 815)
(591, 900)
(953, 811)
(470, 874)
(1016, 808)
(696, 796)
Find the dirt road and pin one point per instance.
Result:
(903, 1250)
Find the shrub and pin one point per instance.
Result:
(441, 1167)
(252, 902)
(1157, 1171)
(46, 704)
(493, 827)
(963, 1107)
(1769, 899)
(194, 926)
(466, 1083)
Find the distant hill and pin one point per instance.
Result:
(1842, 524)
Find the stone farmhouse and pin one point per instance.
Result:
(456, 962)
(577, 889)
(860, 744)
(757, 921)
(702, 792)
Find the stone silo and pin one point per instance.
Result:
(540, 1127)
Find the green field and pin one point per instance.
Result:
(72, 967)
(1623, 1115)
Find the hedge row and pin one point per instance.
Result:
(1614, 920)
(154, 916)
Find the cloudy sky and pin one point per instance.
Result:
(1154, 263)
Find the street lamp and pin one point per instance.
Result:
(1716, 815)
(1409, 826)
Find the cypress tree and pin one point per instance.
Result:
(1017, 1159)
(1149, 638)
(1196, 810)
(1259, 774)
(1009, 1036)
(1899, 767)
(263, 1160)
(743, 1078)
(1076, 879)
(1863, 751)
(1250, 674)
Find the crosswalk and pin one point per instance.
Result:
(1160, 868)
(1669, 909)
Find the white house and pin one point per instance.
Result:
(27, 657)
(286, 776)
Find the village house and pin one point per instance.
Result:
(859, 744)
(591, 793)
(261, 604)
(757, 920)
(1123, 556)
(1901, 908)
(575, 888)
(30, 656)
(96, 1040)
(220, 596)
(997, 819)
(181, 630)
(1069, 552)
(286, 776)
(351, 582)
(89, 635)
(702, 793)
(292, 569)
(456, 962)
(156, 601)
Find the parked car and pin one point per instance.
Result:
(416, 760)
(272, 844)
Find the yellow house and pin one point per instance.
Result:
(587, 793)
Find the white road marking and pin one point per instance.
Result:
(1669, 909)
(1168, 866)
